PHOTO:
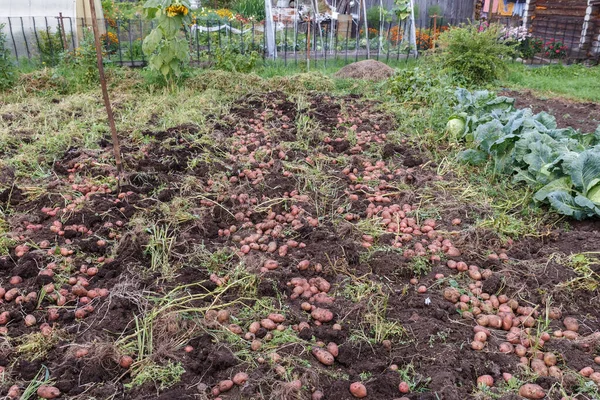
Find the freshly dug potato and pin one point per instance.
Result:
(322, 315)
(451, 294)
(333, 349)
(550, 359)
(48, 392)
(532, 391)
(485, 380)
(324, 356)
(587, 371)
(240, 378)
(539, 367)
(358, 390)
(571, 324)
(225, 385)
(555, 372)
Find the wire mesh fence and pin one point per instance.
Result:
(46, 39)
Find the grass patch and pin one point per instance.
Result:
(575, 82)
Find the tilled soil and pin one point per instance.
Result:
(265, 162)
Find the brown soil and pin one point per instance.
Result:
(578, 115)
(437, 338)
(366, 69)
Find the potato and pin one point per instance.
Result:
(255, 345)
(125, 361)
(14, 392)
(235, 328)
(483, 320)
(506, 376)
(48, 392)
(555, 372)
(268, 324)
(495, 321)
(550, 359)
(358, 390)
(324, 357)
(254, 327)
(403, 387)
(571, 324)
(480, 337)
(477, 345)
(322, 315)
(595, 377)
(587, 371)
(485, 380)
(554, 313)
(539, 367)
(597, 360)
(223, 316)
(479, 328)
(532, 391)
(506, 348)
(333, 349)
(570, 335)
(451, 294)
(317, 395)
(225, 385)
(520, 350)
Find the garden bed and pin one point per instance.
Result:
(220, 215)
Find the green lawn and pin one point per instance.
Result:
(575, 82)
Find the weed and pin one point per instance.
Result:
(416, 382)
(41, 378)
(163, 376)
(586, 279)
(35, 345)
(420, 265)
(160, 245)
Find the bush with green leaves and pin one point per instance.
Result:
(51, 46)
(230, 58)
(166, 46)
(561, 165)
(474, 54)
(7, 67)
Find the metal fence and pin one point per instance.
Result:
(46, 39)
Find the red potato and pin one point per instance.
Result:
(595, 377)
(480, 337)
(80, 353)
(570, 335)
(322, 315)
(278, 318)
(48, 392)
(422, 289)
(15, 280)
(324, 356)
(485, 380)
(555, 372)
(532, 391)
(550, 359)
(477, 345)
(451, 294)
(506, 376)
(4, 317)
(333, 349)
(255, 345)
(587, 371)
(539, 367)
(268, 324)
(240, 378)
(358, 390)
(403, 387)
(271, 265)
(597, 360)
(125, 361)
(225, 385)
(14, 392)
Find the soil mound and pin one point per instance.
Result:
(366, 69)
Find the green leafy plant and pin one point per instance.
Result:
(420, 86)
(474, 55)
(250, 9)
(231, 58)
(7, 67)
(51, 46)
(167, 50)
(530, 46)
(562, 165)
(402, 9)
(555, 49)
(82, 62)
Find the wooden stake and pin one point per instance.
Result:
(63, 36)
(111, 118)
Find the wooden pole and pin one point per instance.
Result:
(111, 118)
(63, 35)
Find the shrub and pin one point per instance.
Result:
(375, 15)
(555, 49)
(230, 58)
(51, 46)
(530, 47)
(473, 55)
(7, 68)
(420, 86)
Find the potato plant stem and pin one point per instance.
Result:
(111, 118)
